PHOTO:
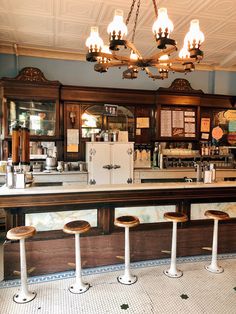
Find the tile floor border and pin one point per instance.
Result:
(111, 268)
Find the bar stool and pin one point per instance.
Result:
(216, 215)
(127, 222)
(76, 227)
(21, 233)
(175, 217)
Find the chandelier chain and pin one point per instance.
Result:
(155, 7)
(136, 20)
(130, 13)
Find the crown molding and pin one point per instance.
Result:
(41, 53)
(69, 55)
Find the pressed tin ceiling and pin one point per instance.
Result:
(59, 28)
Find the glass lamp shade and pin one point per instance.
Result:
(184, 53)
(163, 26)
(117, 28)
(105, 49)
(94, 42)
(194, 38)
(133, 56)
(164, 58)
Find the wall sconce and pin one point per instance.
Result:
(72, 116)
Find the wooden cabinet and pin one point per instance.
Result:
(32, 101)
(191, 105)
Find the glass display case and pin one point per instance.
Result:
(38, 116)
(30, 100)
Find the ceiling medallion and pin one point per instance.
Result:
(130, 57)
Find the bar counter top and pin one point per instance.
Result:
(78, 188)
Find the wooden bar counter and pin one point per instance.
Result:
(53, 251)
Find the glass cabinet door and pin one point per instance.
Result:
(95, 119)
(38, 116)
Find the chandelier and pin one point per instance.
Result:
(123, 53)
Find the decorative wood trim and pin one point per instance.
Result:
(31, 74)
(109, 95)
(180, 85)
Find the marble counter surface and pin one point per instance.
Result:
(77, 188)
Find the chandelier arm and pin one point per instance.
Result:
(119, 58)
(177, 69)
(166, 51)
(131, 46)
(116, 64)
(151, 75)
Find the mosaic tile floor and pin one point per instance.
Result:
(197, 292)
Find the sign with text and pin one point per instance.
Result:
(177, 122)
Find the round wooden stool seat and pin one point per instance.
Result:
(76, 226)
(175, 217)
(126, 221)
(22, 232)
(216, 214)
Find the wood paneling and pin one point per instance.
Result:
(110, 95)
(50, 256)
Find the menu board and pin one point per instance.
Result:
(178, 122)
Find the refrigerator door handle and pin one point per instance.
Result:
(116, 166)
(108, 167)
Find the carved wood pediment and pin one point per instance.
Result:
(180, 85)
(31, 74)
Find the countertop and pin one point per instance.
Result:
(77, 188)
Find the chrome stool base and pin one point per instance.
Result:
(214, 269)
(22, 297)
(77, 289)
(127, 280)
(173, 274)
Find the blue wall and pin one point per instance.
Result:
(82, 74)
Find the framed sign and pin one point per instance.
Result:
(177, 122)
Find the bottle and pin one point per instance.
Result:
(203, 149)
(155, 155)
(207, 175)
(10, 177)
(198, 167)
(213, 172)
(206, 153)
(160, 161)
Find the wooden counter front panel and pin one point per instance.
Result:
(50, 256)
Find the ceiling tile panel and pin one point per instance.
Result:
(35, 7)
(86, 11)
(5, 21)
(7, 35)
(44, 40)
(36, 24)
(71, 28)
(70, 42)
(65, 24)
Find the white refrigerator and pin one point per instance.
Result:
(110, 162)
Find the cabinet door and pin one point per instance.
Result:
(122, 163)
(99, 160)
